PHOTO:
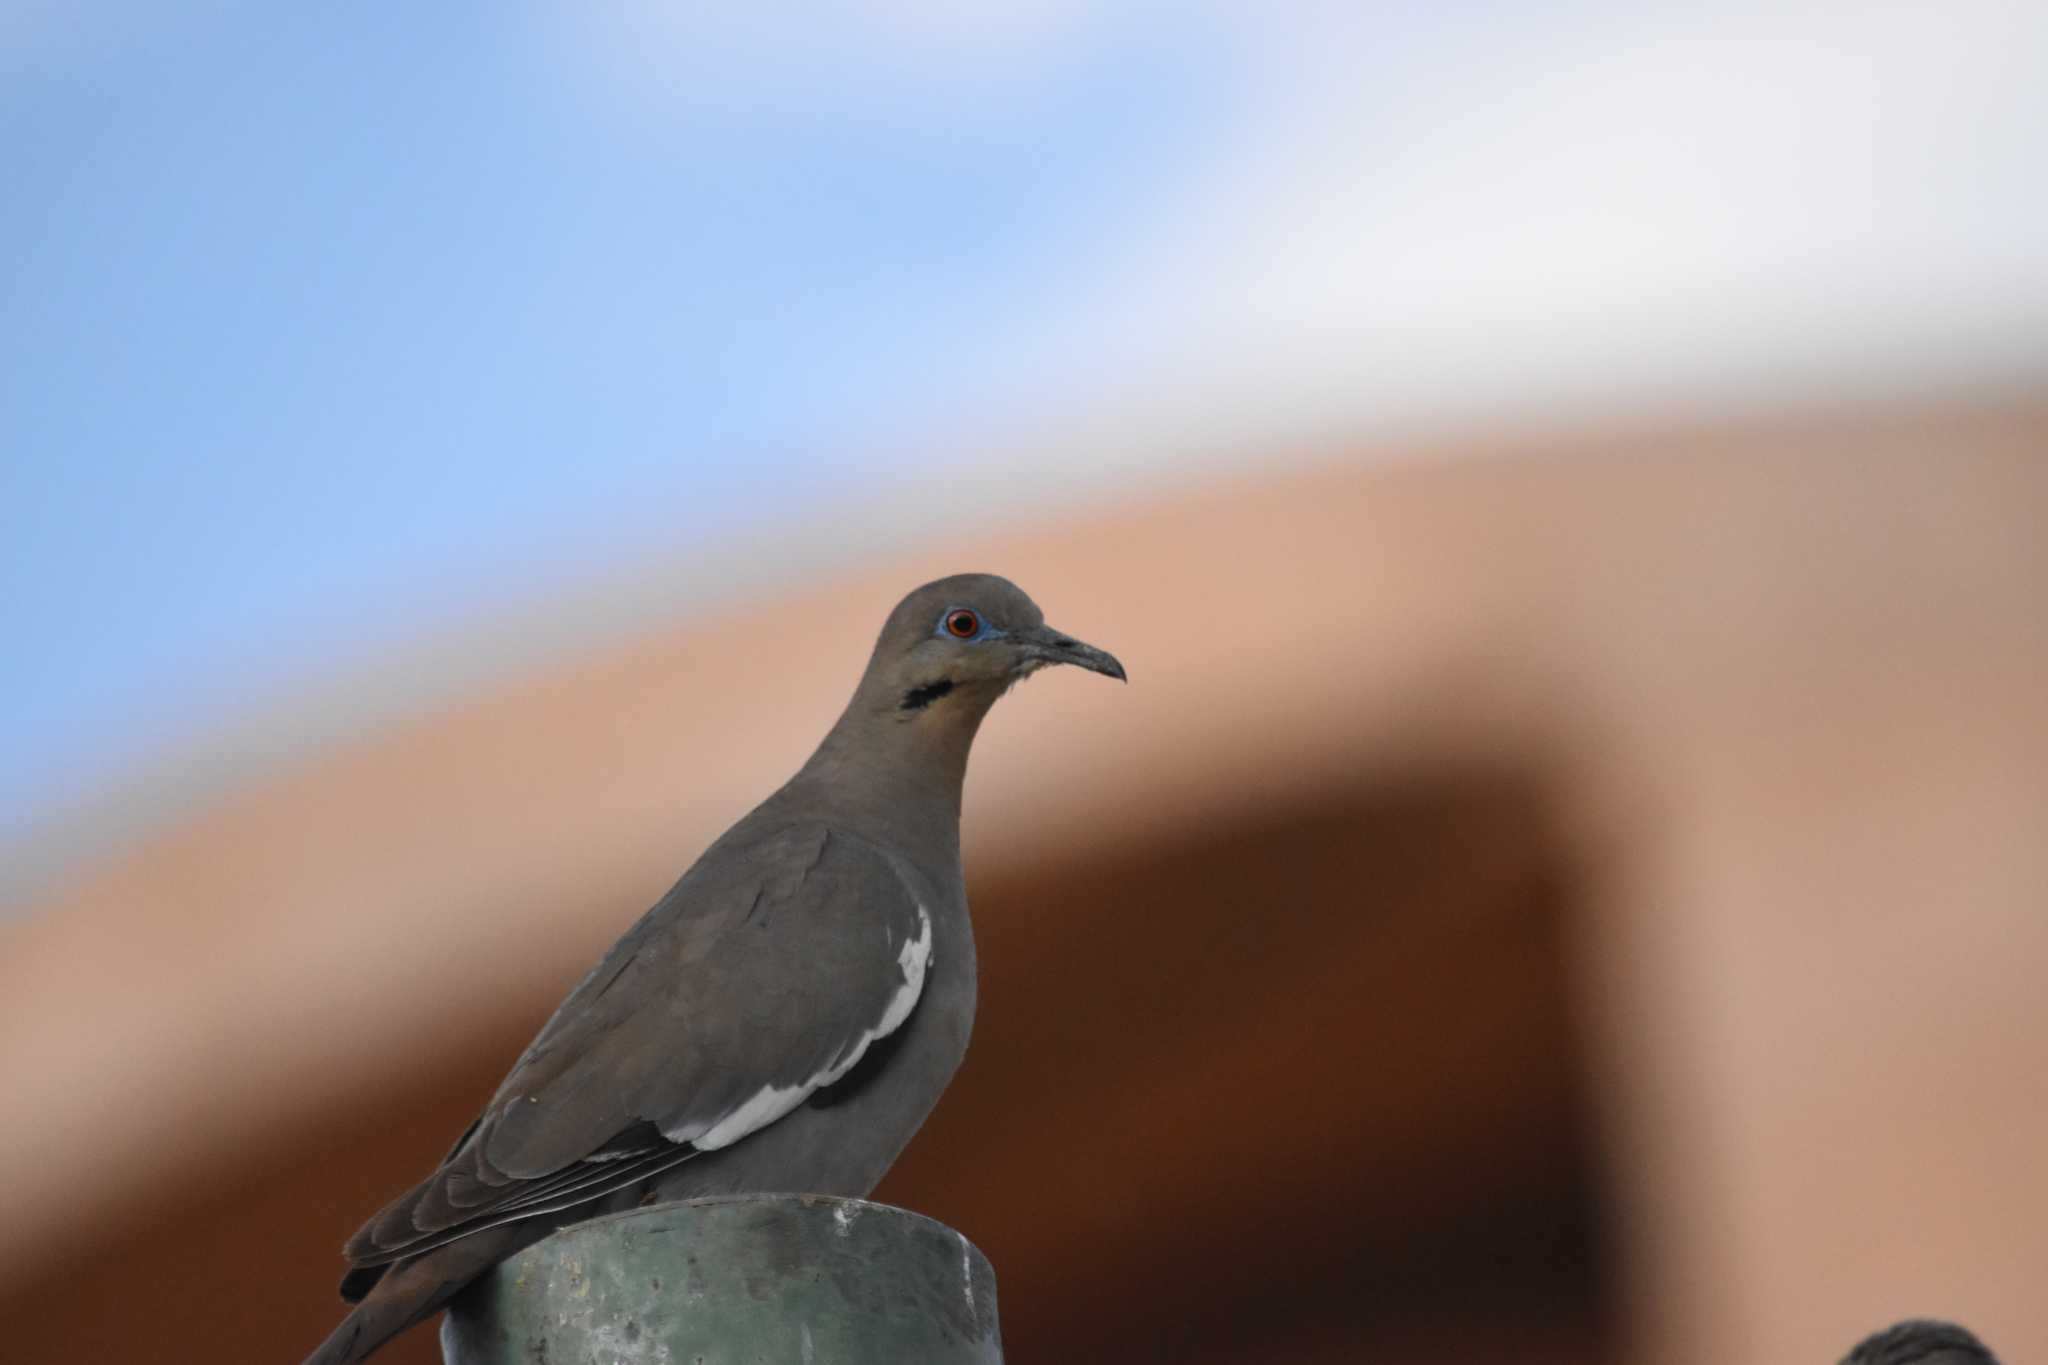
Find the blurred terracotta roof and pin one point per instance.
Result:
(1762, 676)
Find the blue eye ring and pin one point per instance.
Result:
(961, 623)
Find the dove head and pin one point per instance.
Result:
(946, 653)
(953, 646)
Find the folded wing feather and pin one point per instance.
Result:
(762, 976)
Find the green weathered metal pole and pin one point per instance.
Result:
(755, 1278)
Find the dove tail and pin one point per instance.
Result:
(354, 1339)
(414, 1289)
(368, 1326)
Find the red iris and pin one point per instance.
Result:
(962, 624)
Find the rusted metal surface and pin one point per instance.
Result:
(758, 1278)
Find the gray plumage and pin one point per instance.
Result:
(782, 1020)
(1920, 1341)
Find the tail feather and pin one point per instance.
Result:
(360, 1280)
(413, 1290)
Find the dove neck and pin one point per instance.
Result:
(894, 778)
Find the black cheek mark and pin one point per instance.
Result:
(917, 698)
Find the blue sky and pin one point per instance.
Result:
(325, 331)
(323, 325)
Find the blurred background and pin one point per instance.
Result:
(1568, 880)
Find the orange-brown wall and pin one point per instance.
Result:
(1578, 896)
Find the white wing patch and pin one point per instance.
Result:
(915, 957)
(768, 1104)
(771, 1102)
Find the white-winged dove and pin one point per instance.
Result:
(782, 1020)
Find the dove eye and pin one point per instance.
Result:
(962, 624)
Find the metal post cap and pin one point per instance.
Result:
(745, 1278)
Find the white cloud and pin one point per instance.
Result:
(1590, 204)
